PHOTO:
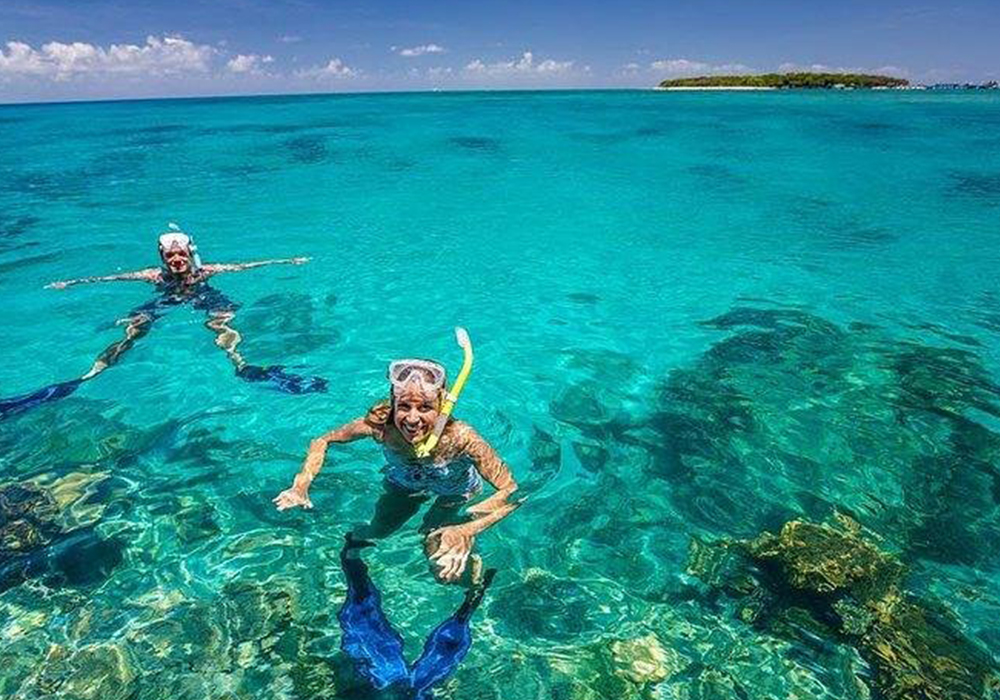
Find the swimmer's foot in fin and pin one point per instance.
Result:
(474, 596)
(368, 638)
(450, 641)
(353, 545)
(53, 392)
(282, 380)
(357, 572)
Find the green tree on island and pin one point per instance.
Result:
(789, 80)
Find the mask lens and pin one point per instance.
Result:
(174, 240)
(421, 371)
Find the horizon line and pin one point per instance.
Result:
(345, 93)
(364, 93)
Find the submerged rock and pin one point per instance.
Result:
(631, 668)
(547, 608)
(37, 538)
(50, 434)
(791, 415)
(195, 520)
(586, 405)
(851, 590)
(827, 561)
(27, 516)
(254, 611)
(644, 660)
(93, 672)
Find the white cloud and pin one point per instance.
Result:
(335, 68)
(523, 66)
(289, 39)
(168, 55)
(791, 67)
(683, 66)
(251, 64)
(420, 50)
(438, 72)
(550, 66)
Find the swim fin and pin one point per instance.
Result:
(19, 404)
(282, 380)
(368, 639)
(448, 644)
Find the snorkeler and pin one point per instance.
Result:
(427, 455)
(377, 649)
(181, 279)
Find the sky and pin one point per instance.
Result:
(112, 49)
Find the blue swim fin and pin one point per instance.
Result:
(19, 404)
(448, 644)
(368, 639)
(282, 380)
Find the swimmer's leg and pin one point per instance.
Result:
(226, 337)
(136, 326)
(394, 507)
(450, 641)
(446, 510)
(368, 639)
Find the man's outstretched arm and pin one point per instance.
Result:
(239, 267)
(148, 275)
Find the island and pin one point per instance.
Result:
(785, 81)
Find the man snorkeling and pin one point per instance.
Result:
(181, 279)
(427, 455)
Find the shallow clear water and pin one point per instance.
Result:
(847, 246)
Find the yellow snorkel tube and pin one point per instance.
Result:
(450, 397)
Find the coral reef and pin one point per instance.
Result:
(850, 590)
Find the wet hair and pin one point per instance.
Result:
(380, 415)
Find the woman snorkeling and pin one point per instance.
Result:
(427, 455)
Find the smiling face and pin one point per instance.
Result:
(177, 260)
(415, 410)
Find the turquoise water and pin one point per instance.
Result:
(696, 316)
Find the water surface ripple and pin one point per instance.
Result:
(698, 317)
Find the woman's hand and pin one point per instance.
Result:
(449, 548)
(292, 498)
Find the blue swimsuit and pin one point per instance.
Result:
(457, 477)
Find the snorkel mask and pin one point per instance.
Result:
(430, 376)
(175, 238)
(427, 376)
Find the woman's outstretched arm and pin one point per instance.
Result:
(298, 494)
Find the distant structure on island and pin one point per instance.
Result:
(823, 81)
(991, 85)
(787, 81)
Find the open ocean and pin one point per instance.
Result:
(697, 317)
